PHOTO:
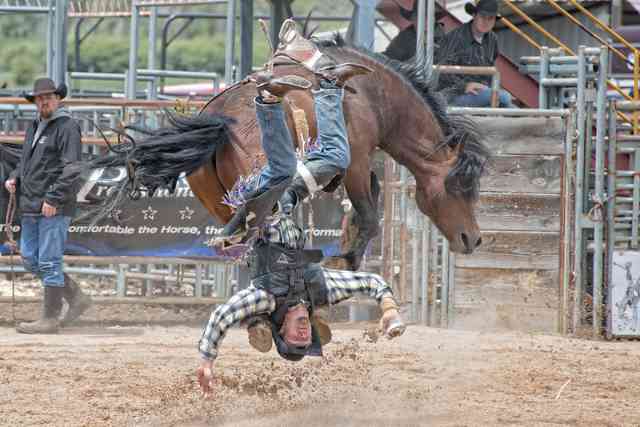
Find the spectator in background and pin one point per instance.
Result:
(47, 199)
(472, 44)
(403, 46)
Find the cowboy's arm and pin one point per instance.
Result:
(70, 150)
(343, 284)
(244, 304)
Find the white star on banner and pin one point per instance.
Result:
(149, 213)
(186, 213)
(116, 214)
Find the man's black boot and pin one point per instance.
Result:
(48, 322)
(339, 74)
(252, 214)
(78, 301)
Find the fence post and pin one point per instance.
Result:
(198, 286)
(433, 273)
(444, 289)
(579, 187)
(599, 198)
(415, 265)
(426, 239)
(121, 280)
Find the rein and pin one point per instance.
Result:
(13, 248)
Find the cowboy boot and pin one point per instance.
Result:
(252, 214)
(337, 75)
(272, 89)
(78, 301)
(259, 330)
(312, 177)
(48, 322)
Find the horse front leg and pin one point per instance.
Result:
(363, 190)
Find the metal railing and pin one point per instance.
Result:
(476, 71)
(606, 45)
(147, 75)
(218, 276)
(208, 277)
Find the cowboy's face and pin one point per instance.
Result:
(296, 329)
(482, 24)
(47, 104)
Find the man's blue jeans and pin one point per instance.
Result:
(42, 241)
(277, 145)
(482, 99)
(333, 141)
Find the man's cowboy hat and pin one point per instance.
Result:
(44, 86)
(482, 7)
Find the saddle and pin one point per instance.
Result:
(293, 48)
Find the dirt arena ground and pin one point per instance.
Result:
(139, 376)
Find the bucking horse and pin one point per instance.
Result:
(394, 108)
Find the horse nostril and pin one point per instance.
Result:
(465, 240)
(479, 242)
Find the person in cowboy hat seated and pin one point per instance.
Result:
(47, 199)
(403, 46)
(472, 44)
(284, 174)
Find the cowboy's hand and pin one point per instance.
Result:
(10, 185)
(205, 377)
(48, 210)
(474, 88)
(391, 324)
(387, 317)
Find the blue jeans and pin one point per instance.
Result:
(333, 140)
(277, 145)
(42, 242)
(482, 99)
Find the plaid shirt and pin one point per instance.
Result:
(341, 285)
(460, 47)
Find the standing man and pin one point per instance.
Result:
(472, 44)
(47, 198)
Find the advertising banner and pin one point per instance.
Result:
(167, 224)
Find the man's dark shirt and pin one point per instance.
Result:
(403, 46)
(459, 47)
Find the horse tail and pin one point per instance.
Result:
(161, 156)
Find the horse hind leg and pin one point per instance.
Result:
(206, 185)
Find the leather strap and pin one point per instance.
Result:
(308, 178)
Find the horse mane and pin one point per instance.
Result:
(464, 177)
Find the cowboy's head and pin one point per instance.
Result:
(485, 13)
(46, 96)
(295, 333)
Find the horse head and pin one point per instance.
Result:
(447, 191)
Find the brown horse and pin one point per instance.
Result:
(394, 109)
